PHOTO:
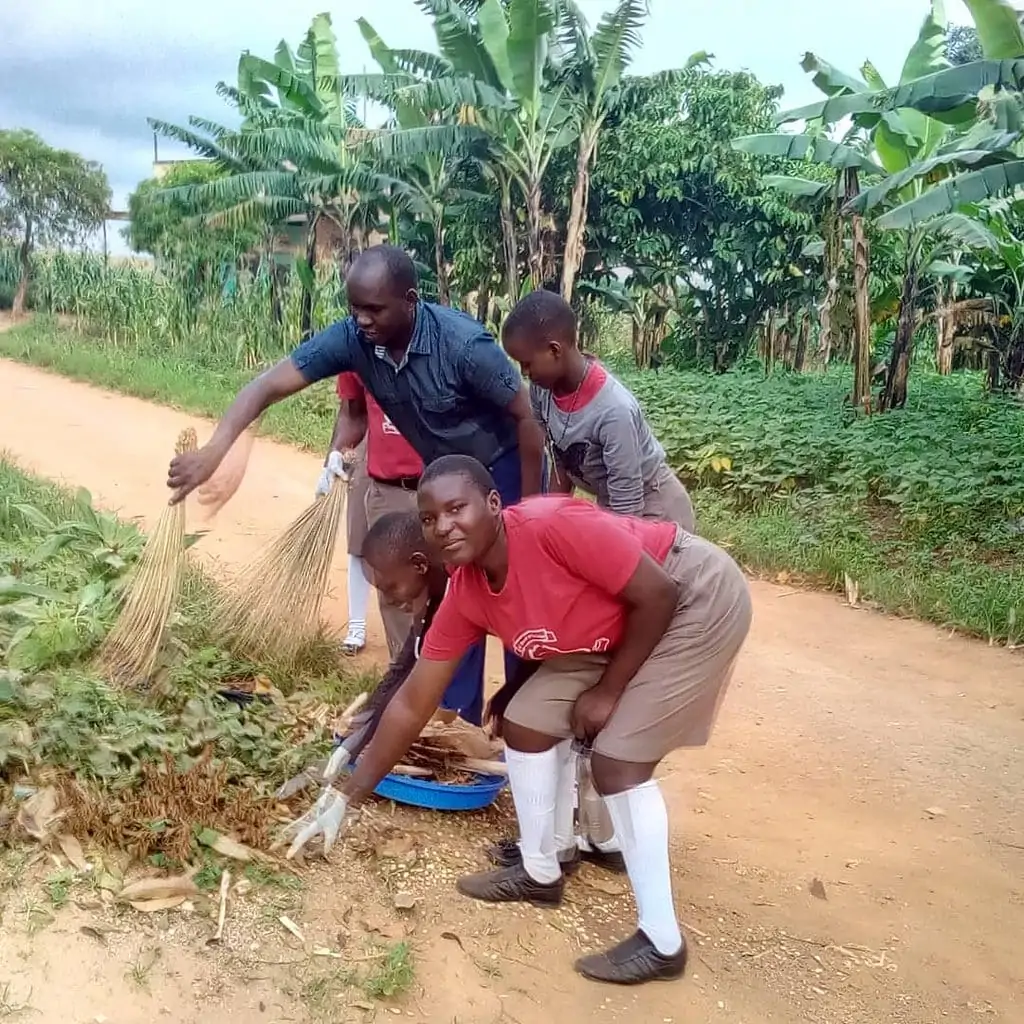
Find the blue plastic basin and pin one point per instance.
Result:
(440, 796)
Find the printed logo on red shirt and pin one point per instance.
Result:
(540, 643)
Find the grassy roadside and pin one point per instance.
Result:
(171, 378)
(168, 776)
(62, 570)
(819, 536)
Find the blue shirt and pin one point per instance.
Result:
(449, 396)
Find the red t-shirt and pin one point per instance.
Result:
(388, 454)
(568, 561)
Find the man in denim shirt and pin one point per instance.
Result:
(440, 378)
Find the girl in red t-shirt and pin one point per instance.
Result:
(635, 626)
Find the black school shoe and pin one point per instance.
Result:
(511, 885)
(505, 853)
(633, 962)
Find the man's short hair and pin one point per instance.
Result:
(397, 262)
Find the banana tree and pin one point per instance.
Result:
(304, 83)
(998, 279)
(652, 297)
(301, 153)
(982, 92)
(909, 150)
(594, 65)
(506, 48)
(430, 175)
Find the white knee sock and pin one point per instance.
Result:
(358, 596)
(565, 798)
(641, 826)
(534, 782)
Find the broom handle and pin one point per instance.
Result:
(360, 700)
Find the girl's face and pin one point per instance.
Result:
(459, 521)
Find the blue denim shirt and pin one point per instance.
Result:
(449, 396)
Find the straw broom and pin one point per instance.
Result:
(129, 653)
(273, 609)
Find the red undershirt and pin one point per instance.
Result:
(388, 455)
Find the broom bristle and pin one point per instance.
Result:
(273, 610)
(128, 655)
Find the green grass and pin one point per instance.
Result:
(392, 974)
(923, 508)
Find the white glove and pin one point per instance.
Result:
(335, 469)
(327, 815)
(339, 760)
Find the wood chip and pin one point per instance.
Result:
(175, 887)
(222, 911)
(228, 847)
(72, 850)
(39, 815)
(289, 925)
(377, 922)
(817, 889)
(98, 931)
(609, 888)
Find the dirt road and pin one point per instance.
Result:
(882, 758)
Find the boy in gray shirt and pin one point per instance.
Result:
(597, 433)
(600, 442)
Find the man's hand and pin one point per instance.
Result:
(590, 713)
(189, 470)
(337, 467)
(326, 816)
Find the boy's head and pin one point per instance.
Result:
(540, 335)
(399, 559)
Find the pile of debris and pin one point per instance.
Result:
(453, 753)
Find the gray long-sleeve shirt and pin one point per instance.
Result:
(603, 443)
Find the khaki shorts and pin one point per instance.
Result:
(384, 498)
(674, 698)
(380, 500)
(666, 499)
(355, 509)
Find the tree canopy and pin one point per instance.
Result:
(48, 197)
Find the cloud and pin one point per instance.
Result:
(87, 76)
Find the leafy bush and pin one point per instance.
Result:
(948, 469)
(923, 508)
(63, 566)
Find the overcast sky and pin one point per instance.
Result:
(86, 76)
